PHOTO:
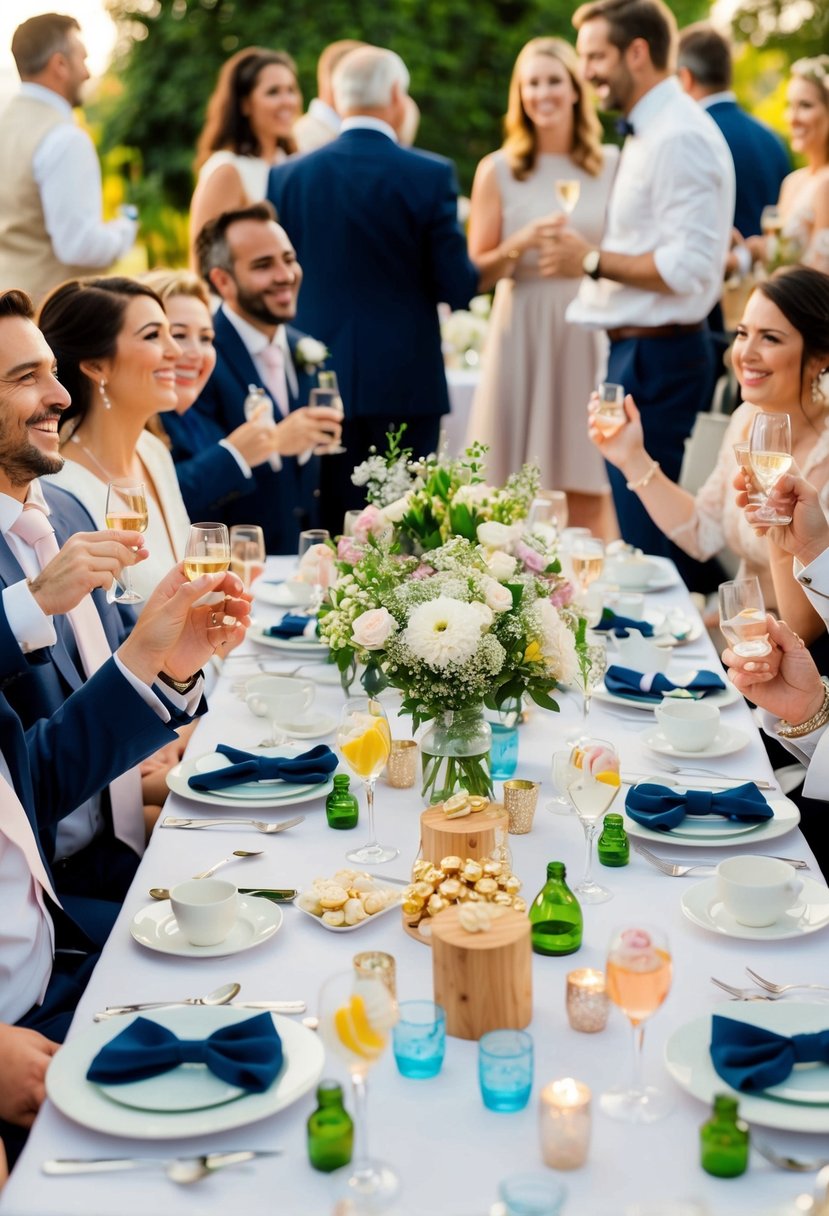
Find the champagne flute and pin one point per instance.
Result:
(638, 980)
(364, 740)
(327, 393)
(743, 617)
(323, 570)
(568, 190)
(770, 456)
(126, 508)
(592, 784)
(587, 560)
(356, 1016)
(207, 550)
(610, 415)
(247, 553)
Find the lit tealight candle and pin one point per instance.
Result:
(564, 1113)
(587, 1000)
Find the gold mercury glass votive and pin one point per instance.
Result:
(377, 963)
(564, 1123)
(587, 1001)
(401, 766)
(520, 799)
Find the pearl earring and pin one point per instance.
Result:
(102, 388)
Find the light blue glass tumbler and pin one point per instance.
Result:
(532, 1195)
(420, 1039)
(503, 754)
(505, 1069)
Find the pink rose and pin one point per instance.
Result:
(347, 551)
(370, 522)
(422, 571)
(370, 630)
(562, 595)
(532, 559)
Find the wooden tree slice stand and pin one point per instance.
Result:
(482, 980)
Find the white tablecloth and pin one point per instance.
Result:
(449, 1150)
(462, 383)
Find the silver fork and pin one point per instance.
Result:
(779, 989)
(784, 1162)
(742, 994)
(259, 824)
(697, 768)
(675, 869)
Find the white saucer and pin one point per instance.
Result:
(315, 726)
(286, 594)
(307, 647)
(728, 739)
(702, 905)
(156, 928)
(786, 817)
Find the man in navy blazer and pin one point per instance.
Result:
(250, 262)
(375, 227)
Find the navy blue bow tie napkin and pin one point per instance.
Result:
(751, 1059)
(612, 622)
(651, 686)
(658, 806)
(291, 626)
(247, 1054)
(311, 768)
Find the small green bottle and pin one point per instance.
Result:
(614, 846)
(330, 1130)
(555, 915)
(724, 1140)
(342, 809)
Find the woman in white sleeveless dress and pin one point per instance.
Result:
(528, 406)
(248, 130)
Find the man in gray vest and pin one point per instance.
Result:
(51, 225)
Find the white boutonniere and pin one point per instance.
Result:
(310, 354)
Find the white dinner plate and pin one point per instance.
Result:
(369, 920)
(285, 594)
(688, 1060)
(702, 905)
(156, 928)
(85, 1103)
(306, 647)
(786, 817)
(678, 672)
(728, 739)
(267, 799)
(270, 790)
(195, 1088)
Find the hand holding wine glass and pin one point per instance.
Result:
(126, 510)
(770, 456)
(743, 617)
(327, 393)
(610, 414)
(207, 550)
(568, 190)
(364, 740)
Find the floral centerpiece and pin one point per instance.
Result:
(463, 333)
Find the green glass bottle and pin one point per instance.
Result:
(342, 809)
(724, 1140)
(614, 846)
(555, 915)
(330, 1129)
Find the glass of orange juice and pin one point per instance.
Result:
(638, 980)
(592, 783)
(364, 741)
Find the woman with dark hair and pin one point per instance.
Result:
(247, 130)
(117, 359)
(780, 357)
(537, 368)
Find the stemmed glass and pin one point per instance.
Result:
(322, 573)
(126, 509)
(592, 664)
(638, 980)
(770, 456)
(207, 550)
(550, 510)
(364, 740)
(356, 1017)
(586, 560)
(562, 773)
(592, 784)
(247, 553)
(568, 190)
(327, 393)
(743, 617)
(610, 415)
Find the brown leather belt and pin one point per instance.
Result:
(654, 331)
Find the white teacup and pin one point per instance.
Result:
(628, 603)
(301, 593)
(689, 726)
(205, 909)
(628, 571)
(641, 653)
(757, 890)
(282, 698)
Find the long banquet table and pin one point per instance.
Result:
(450, 1151)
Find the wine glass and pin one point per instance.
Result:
(322, 570)
(356, 1016)
(247, 553)
(592, 664)
(771, 221)
(610, 415)
(126, 509)
(586, 560)
(549, 510)
(592, 785)
(561, 774)
(364, 740)
(638, 980)
(568, 190)
(770, 456)
(754, 495)
(327, 393)
(207, 550)
(743, 617)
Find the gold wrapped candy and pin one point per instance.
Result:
(462, 881)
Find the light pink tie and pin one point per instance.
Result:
(276, 382)
(15, 826)
(126, 798)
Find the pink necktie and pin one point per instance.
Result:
(15, 826)
(276, 383)
(126, 798)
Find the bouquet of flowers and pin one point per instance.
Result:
(463, 333)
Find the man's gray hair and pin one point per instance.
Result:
(364, 79)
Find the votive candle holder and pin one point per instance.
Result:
(401, 766)
(564, 1123)
(588, 1004)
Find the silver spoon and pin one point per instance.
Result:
(783, 1162)
(226, 860)
(183, 1170)
(219, 996)
(276, 895)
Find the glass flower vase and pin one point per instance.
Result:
(455, 755)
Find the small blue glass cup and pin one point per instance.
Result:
(532, 1195)
(503, 753)
(505, 1069)
(420, 1039)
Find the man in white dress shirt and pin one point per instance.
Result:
(321, 122)
(659, 269)
(51, 224)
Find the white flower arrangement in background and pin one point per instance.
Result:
(310, 354)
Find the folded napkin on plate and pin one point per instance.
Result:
(657, 806)
(612, 622)
(311, 768)
(247, 1054)
(294, 625)
(652, 685)
(751, 1059)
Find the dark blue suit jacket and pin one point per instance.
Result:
(212, 484)
(376, 232)
(760, 163)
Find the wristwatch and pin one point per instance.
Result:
(590, 263)
(180, 686)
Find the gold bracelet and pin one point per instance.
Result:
(646, 477)
(785, 729)
(511, 257)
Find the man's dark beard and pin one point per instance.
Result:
(22, 465)
(254, 307)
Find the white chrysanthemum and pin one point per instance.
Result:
(444, 631)
(558, 645)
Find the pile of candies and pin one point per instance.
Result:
(347, 899)
(434, 888)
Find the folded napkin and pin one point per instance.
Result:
(658, 806)
(247, 1054)
(612, 622)
(311, 768)
(651, 686)
(294, 625)
(750, 1059)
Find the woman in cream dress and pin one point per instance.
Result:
(529, 406)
